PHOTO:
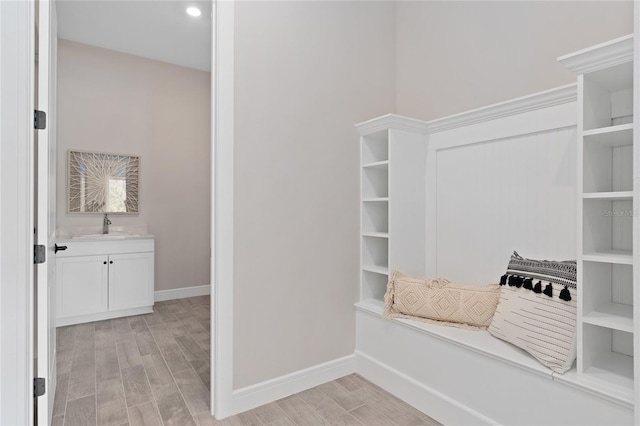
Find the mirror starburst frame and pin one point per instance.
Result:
(102, 183)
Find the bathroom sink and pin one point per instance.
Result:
(112, 236)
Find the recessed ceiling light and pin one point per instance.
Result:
(193, 11)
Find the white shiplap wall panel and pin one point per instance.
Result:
(493, 197)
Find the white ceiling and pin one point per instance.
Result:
(155, 29)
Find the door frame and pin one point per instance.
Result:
(17, 48)
(222, 142)
(17, 20)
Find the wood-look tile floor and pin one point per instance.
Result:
(154, 370)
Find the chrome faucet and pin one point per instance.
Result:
(105, 224)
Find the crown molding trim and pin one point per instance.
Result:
(600, 56)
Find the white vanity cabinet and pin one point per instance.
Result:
(104, 278)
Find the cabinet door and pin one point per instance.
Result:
(81, 285)
(130, 281)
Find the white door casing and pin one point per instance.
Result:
(16, 221)
(45, 209)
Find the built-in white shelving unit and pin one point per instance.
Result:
(607, 196)
(393, 158)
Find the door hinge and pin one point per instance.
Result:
(39, 254)
(39, 120)
(38, 386)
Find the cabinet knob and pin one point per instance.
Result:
(105, 262)
(57, 248)
(111, 261)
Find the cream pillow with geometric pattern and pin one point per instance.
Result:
(441, 302)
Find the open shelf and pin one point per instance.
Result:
(376, 234)
(374, 286)
(617, 316)
(375, 199)
(613, 368)
(608, 96)
(375, 254)
(608, 295)
(620, 257)
(375, 218)
(607, 226)
(375, 147)
(611, 136)
(377, 165)
(608, 356)
(375, 183)
(608, 161)
(613, 195)
(382, 270)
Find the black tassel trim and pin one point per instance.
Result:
(503, 279)
(564, 294)
(548, 290)
(528, 284)
(538, 287)
(519, 281)
(512, 280)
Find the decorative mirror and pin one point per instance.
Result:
(102, 183)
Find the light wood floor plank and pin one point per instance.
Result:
(299, 411)
(269, 413)
(64, 337)
(206, 419)
(136, 385)
(146, 343)
(111, 406)
(107, 365)
(138, 324)
(128, 352)
(145, 414)
(343, 397)
(327, 408)
(369, 415)
(81, 412)
(64, 359)
(174, 411)
(60, 398)
(190, 348)
(202, 367)
(135, 360)
(195, 394)
(174, 357)
(285, 421)
(85, 387)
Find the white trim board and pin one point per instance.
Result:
(595, 58)
(280, 387)
(181, 293)
(536, 101)
(512, 107)
(416, 394)
(17, 23)
(222, 122)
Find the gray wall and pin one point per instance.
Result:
(114, 102)
(305, 74)
(454, 56)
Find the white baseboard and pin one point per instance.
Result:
(181, 293)
(100, 316)
(431, 402)
(271, 390)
